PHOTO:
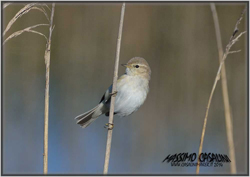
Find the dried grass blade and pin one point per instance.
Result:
(43, 11)
(46, 6)
(19, 14)
(6, 5)
(17, 33)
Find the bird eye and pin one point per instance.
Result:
(137, 66)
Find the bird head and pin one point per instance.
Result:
(138, 66)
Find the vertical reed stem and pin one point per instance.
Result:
(228, 118)
(112, 105)
(46, 108)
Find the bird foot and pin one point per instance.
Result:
(114, 93)
(109, 126)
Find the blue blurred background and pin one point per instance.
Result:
(178, 41)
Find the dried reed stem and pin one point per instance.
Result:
(232, 41)
(46, 108)
(228, 118)
(112, 105)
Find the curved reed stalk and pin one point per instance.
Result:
(228, 112)
(232, 41)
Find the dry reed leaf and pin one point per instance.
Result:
(29, 29)
(6, 5)
(42, 10)
(45, 5)
(23, 11)
(19, 14)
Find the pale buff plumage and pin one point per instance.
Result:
(132, 90)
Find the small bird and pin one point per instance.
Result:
(132, 90)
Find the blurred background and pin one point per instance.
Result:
(178, 41)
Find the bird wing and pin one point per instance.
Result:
(107, 95)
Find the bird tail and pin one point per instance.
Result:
(88, 117)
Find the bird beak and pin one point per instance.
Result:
(125, 65)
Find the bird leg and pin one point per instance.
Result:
(109, 126)
(113, 94)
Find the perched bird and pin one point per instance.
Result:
(132, 90)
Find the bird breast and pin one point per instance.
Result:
(132, 92)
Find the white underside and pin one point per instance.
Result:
(131, 94)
